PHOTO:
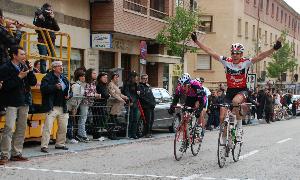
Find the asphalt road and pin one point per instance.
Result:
(270, 151)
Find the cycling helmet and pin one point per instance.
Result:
(237, 48)
(185, 78)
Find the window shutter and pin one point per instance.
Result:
(203, 61)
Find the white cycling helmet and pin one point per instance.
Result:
(185, 78)
(237, 48)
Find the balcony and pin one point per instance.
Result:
(140, 18)
(146, 7)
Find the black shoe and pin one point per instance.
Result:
(62, 148)
(134, 137)
(44, 150)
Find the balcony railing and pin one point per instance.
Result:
(139, 8)
(135, 7)
(157, 14)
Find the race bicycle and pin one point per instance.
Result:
(227, 136)
(188, 133)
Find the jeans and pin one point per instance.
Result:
(43, 51)
(84, 110)
(14, 139)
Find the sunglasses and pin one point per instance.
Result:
(236, 53)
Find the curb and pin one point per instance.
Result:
(128, 141)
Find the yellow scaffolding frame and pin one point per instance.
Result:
(27, 42)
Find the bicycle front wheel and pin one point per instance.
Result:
(222, 145)
(196, 139)
(236, 151)
(180, 143)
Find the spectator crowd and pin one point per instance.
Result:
(88, 105)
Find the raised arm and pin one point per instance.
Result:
(204, 47)
(267, 53)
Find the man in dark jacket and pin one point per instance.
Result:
(55, 89)
(17, 78)
(7, 41)
(44, 18)
(130, 89)
(148, 104)
(261, 98)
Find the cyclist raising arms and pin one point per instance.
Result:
(236, 69)
(193, 94)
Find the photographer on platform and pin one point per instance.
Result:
(44, 18)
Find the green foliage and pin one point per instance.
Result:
(177, 33)
(283, 60)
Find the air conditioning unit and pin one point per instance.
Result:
(100, 1)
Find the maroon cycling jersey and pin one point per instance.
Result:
(236, 74)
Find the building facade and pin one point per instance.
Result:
(254, 23)
(130, 25)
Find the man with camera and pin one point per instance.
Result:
(7, 41)
(44, 18)
(17, 76)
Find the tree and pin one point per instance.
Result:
(176, 35)
(283, 60)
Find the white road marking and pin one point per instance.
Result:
(284, 140)
(87, 172)
(249, 154)
(194, 176)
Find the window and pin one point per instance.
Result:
(193, 5)
(203, 62)
(206, 23)
(261, 4)
(267, 7)
(272, 13)
(254, 4)
(271, 39)
(277, 13)
(247, 1)
(275, 38)
(239, 27)
(179, 3)
(289, 21)
(259, 33)
(253, 32)
(266, 37)
(285, 17)
(246, 30)
(265, 65)
(281, 16)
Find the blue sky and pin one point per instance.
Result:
(295, 4)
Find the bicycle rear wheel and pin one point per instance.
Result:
(180, 143)
(196, 139)
(222, 145)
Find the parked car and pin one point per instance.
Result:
(163, 120)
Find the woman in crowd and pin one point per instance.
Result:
(117, 100)
(100, 107)
(91, 94)
(78, 89)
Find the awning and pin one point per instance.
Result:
(159, 58)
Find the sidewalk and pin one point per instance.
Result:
(35, 150)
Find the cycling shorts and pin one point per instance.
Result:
(232, 92)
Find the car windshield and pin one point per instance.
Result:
(165, 94)
(156, 93)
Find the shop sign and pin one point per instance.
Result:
(101, 41)
(143, 49)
